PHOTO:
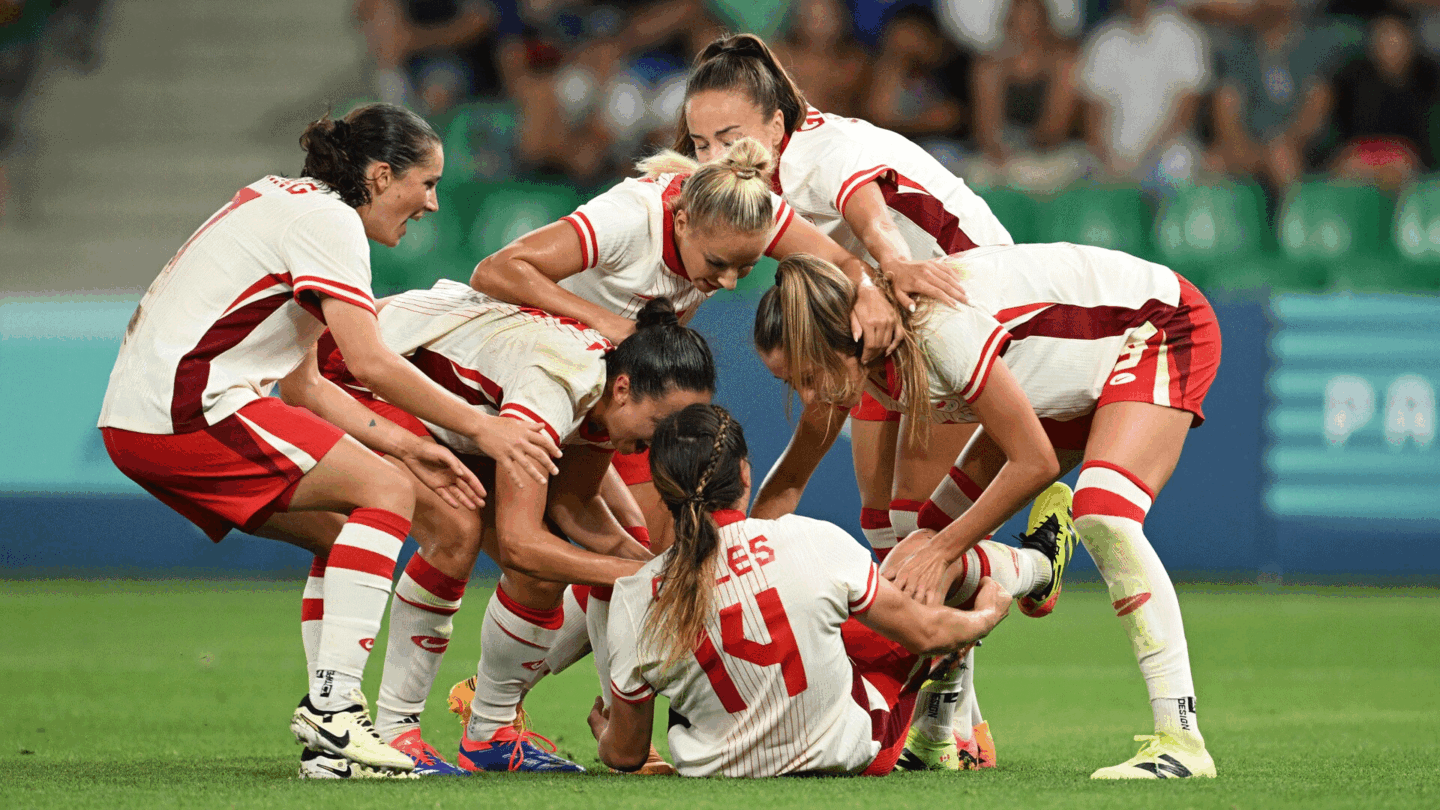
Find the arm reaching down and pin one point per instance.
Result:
(815, 433)
(935, 629)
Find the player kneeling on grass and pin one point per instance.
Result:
(781, 647)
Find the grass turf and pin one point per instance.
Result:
(177, 694)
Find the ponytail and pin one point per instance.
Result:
(695, 458)
(731, 192)
(339, 151)
(806, 316)
(743, 62)
(662, 356)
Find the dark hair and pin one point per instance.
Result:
(339, 151)
(695, 458)
(744, 62)
(662, 355)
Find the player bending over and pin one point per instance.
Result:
(1109, 355)
(746, 626)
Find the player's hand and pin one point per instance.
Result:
(932, 278)
(439, 469)
(876, 321)
(522, 450)
(992, 600)
(599, 718)
(920, 574)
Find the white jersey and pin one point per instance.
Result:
(237, 308)
(1061, 315)
(507, 360)
(769, 690)
(627, 247)
(828, 158)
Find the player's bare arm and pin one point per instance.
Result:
(870, 219)
(935, 629)
(579, 507)
(623, 732)
(528, 271)
(815, 432)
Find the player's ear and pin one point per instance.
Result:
(620, 389)
(380, 176)
(682, 221)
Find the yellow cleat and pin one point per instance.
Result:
(923, 754)
(984, 746)
(1161, 757)
(1051, 531)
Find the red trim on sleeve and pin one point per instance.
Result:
(858, 179)
(515, 411)
(787, 214)
(998, 338)
(574, 221)
(644, 694)
(334, 289)
(872, 587)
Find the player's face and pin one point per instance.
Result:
(631, 422)
(804, 381)
(716, 258)
(397, 199)
(718, 118)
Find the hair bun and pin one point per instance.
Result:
(657, 312)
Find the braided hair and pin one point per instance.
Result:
(695, 458)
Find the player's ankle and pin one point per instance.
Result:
(390, 725)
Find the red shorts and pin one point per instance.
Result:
(233, 474)
(634, 468)
(869, 408)
(1172, 365)
(896, 674)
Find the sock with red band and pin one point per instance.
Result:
(357, 585)
(904, 517)
(955, 493)
(514, 641)
(572, 642)
(875, 525)
(640, 533)
(421, 614)
(1110, 509)
(312, 612)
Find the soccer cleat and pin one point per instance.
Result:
(512, 749)
(655, 765)
(346, 733)
(984, 746)
(316, 764)
(459, 699)
(1051, 531)
(923, 754)
(1161, 757)
(428, 761)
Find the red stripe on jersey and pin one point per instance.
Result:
(435, 582)
(709, 659)
(312, 610)
(925, 210)
(264, 283)
(317, 567)
(363, 560)
(335, 289)
(670, 253)
(785, 216)
(449, 375)
(1131, 477)
(872, 586)
(584, 241)
(241, 197)
(850, 186)
(724, 517)
(1007, 316)
(644, 694)
(1087, 323)
(192, 373)
(524, 414)
(987, 362)
(594, 239)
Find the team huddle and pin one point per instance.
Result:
(556, 414)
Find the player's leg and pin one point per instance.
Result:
(315, 532)
(1133, 449)
(873, 435)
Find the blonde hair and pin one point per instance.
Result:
(806, 315)
(731, 191)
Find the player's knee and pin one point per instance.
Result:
(387, 488)
(452, 539)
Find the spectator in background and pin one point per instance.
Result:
(1143, 72)
(920, 79)
(1382, 109)
(1275, 98)
(1026, 102)
(820, 52)
(980, 25)
(433, 54)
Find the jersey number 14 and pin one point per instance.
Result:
(780, 651)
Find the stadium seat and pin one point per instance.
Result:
(479, 140)
(1116, 218)
(1330, 222)
(1208, 224)
(505, 211)
(1417, 222)
(1019, 212)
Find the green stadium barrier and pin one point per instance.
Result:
(1334, 222)
(1021, 214)
(479, 140)
(1115, 218)
(1417, 225)
(1209, 224)
(506, 211)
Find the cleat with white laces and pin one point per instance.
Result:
(321, 765)
(513, 749)
(1161, 757)
(1050, 531)
(428, 761)
(346, 733)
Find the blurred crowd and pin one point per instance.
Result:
(1031, 94)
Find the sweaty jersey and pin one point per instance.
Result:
(507, 360)
(769, 690)
(828, 158)
(237, 308)
(627, 247)
(1060, 314)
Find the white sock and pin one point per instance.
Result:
(312, 612)
(875, 525)
(357, 585)
(904, 517)
(1017, 570)
(1110, 509)
(936, 705)
(514, 642)
(572, 643)
(426, 600)
(967, 717)
(597, 616)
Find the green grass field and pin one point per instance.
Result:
(177, 694)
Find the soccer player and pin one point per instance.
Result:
(592, 398)
(745, 625)
(1116, 352)
(886, 200)
(239, 308)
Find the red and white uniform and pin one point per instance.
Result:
(1078, 327)
(504, 359)
(627, 244)
(772, 688)
(234, 311)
